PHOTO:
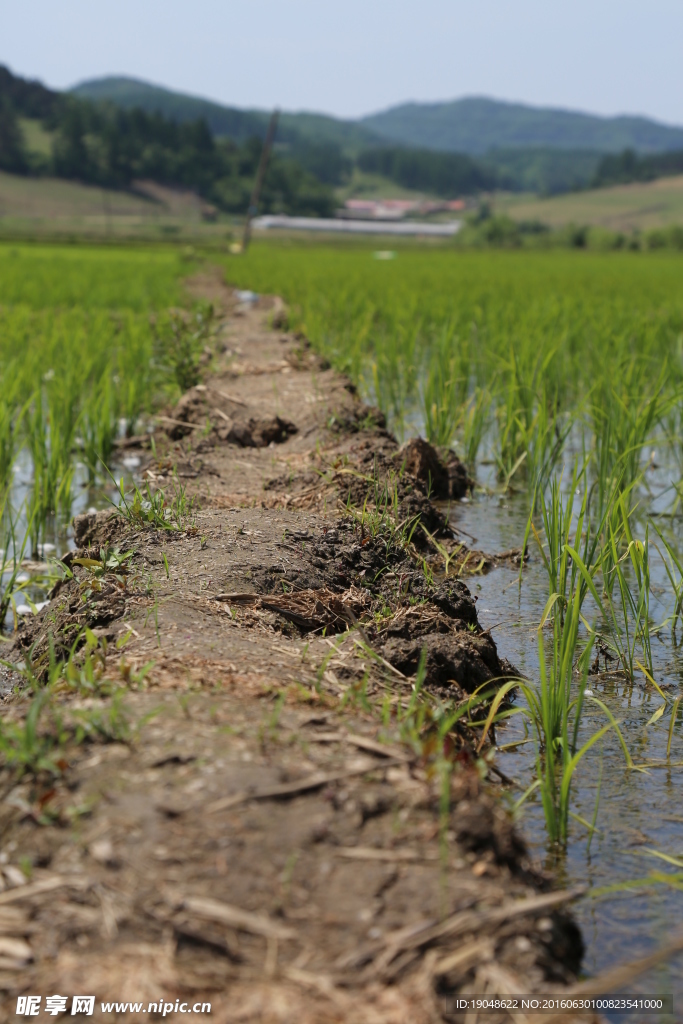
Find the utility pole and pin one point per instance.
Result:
(260, 175)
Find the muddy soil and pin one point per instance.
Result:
(243, 798)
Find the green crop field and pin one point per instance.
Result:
(76, 362)
(509, 348)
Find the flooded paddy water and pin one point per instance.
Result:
(634, 898)
(37, 568)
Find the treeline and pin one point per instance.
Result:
(629, 166)
(544, 171)
(100, 144)
(444, 174)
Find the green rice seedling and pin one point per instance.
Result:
(136, 381)
(11, 415)
(623, 421)
(98, 424)
(11, 557)
(395, 374)
(50, 434)
(554, 707)
(444, 389)
(674, 570)
(630, 616)
(474, 424)
(562, 561)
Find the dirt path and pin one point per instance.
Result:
(266, 817)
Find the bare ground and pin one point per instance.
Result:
(242, 800)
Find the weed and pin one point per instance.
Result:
(180, 340)
(153, 507)
(29, 746)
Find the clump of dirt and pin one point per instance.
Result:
(258, 432)
(226, 417)
(442, 478)
(361, 417)
(463, 658)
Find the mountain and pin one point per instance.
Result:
(130, 93)
(227, 122)
(475, 125)
(517, 147)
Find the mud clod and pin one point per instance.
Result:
(421, 460)
(439, 478)
(258, 432)
(95, 527)
(464, 658)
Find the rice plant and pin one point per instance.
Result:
(555, 704)
(630, 615)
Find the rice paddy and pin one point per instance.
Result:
(558, 379)
(79, 367)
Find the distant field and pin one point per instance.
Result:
(373, 186)
(640, 207)
(50, 206)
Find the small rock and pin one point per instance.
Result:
(14, 876)
(103, 852)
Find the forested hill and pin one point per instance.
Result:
(475, 125)
(230, 122)
(99, 143)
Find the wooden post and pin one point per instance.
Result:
(260, 175)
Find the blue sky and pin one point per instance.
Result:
(355, 57)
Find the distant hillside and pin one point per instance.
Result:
(43, 132)
(476, 125)
(227, 122)
(130, 93)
